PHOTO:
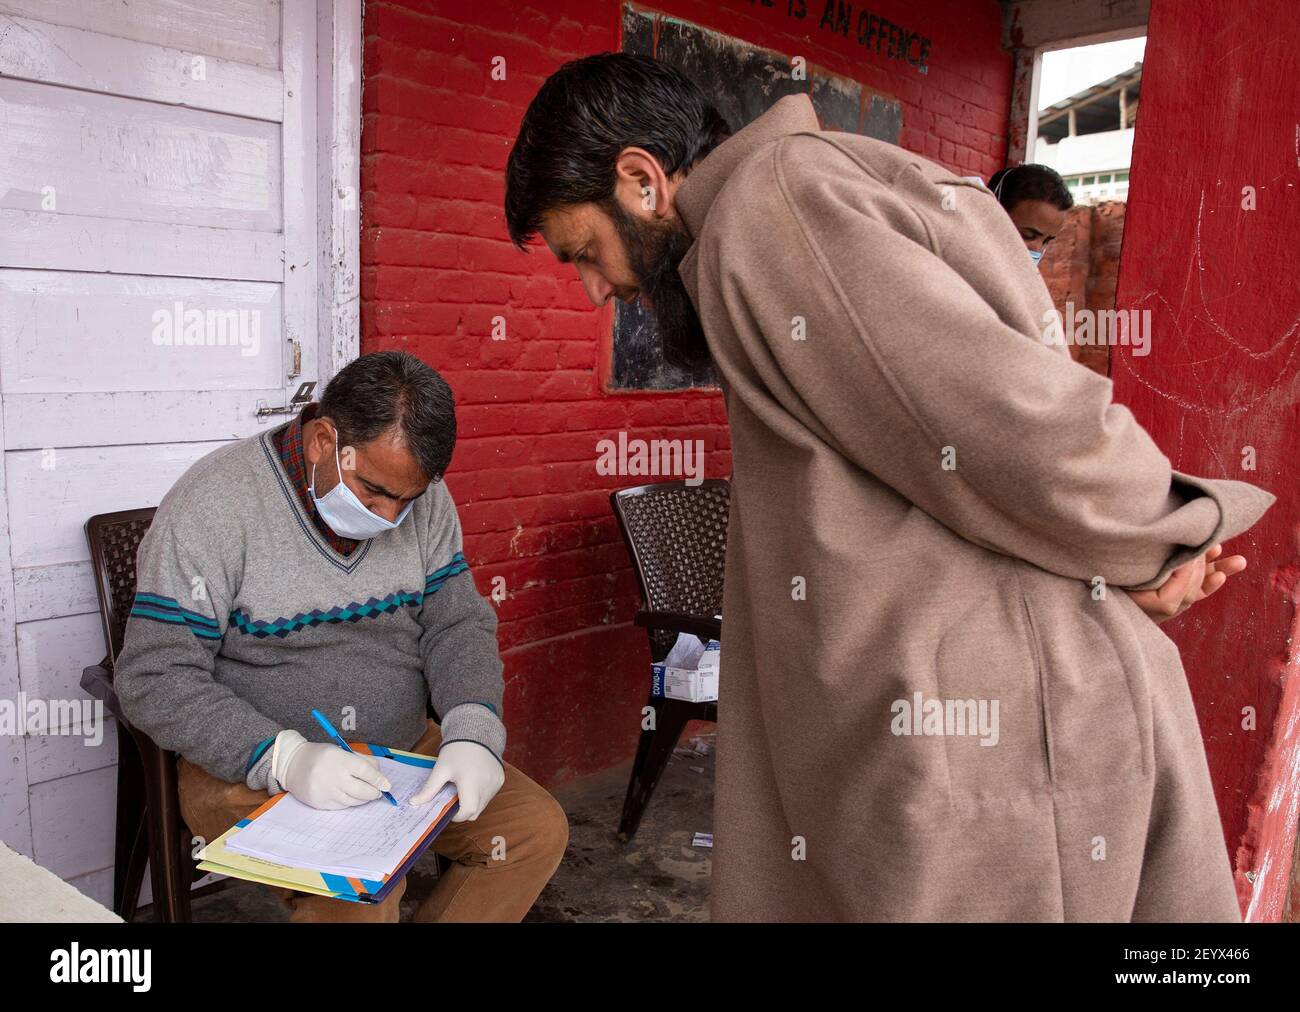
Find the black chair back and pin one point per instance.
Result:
(676, 535)
(114, 540)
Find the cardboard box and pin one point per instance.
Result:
(693, 684)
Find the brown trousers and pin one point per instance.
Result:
(502, 859)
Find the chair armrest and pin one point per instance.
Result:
(705, 627)
(96, 681)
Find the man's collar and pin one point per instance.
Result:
(291, 447)
(790, 115)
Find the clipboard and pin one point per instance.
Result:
(217, 857)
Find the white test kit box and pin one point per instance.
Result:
(694, 675)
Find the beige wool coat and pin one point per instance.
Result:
(932, 507)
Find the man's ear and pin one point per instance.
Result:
(318, 441)
(640, 183)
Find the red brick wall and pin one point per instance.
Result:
(1081, 266)
(1216, 264)
(437, 267)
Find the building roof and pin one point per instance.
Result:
(1096, 107)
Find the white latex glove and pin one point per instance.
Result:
(475, 772)
(325, 776)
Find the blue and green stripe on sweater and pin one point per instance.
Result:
(168, 610)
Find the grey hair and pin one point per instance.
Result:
(374, 393)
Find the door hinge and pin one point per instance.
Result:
(299, 399)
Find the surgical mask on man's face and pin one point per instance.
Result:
(346, 515)
(1035, 255)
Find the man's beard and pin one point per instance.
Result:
(654, 250)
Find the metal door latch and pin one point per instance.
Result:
(302, 397)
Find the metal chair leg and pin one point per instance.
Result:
(131, 837)
(167, 855)
(652, 755)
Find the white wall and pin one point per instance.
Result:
(1105, 151)
(154, 153)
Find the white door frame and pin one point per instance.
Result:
(338, 207)
(1034, 27)
(333, 254)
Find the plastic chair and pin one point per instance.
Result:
(149, 824)
(676, 535)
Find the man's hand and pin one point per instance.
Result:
(475, 772)
(1189, 583)
(325, 776)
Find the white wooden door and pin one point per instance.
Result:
(158, 217)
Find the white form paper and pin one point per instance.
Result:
(366, 841)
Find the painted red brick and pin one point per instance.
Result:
(1081, 266)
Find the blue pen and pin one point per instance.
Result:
(338, 740)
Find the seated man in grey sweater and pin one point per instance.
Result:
(319, 565)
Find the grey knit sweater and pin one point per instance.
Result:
(245, 618)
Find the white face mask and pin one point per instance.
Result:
(346, 515)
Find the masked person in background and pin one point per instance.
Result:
(935, 704)
(319, 565)
(1036, 199)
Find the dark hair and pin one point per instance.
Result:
(1018, 183)
(588, 111)
(373, 393)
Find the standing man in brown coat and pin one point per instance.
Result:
(940, 700)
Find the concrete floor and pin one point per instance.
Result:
(659, 876)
